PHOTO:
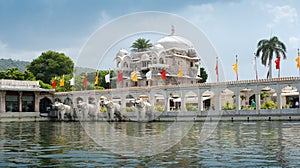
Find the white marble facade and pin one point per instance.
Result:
(171, 53)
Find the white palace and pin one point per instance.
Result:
(172, 53)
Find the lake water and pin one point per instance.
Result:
(231, 144)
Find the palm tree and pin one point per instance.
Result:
(141, 44)
(266, 48)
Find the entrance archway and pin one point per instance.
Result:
(45, 105)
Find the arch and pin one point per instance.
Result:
(174, 100)
(268, 98)
(247, 95)
(208, 103)
(158, 101)
(228, 101)
(92, 100)
(290, 97)
(68, 101)
(78, 99)
(161, 61)
(45, 105)
(191, 101)
(57, 100)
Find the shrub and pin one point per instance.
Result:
(191, 107)
(129, 109)
(227, 106)
(269, 105)
(159, 108)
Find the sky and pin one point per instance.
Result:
(233, 27)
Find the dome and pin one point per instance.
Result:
(122, 52)
(174, 41)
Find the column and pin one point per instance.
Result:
(2, 103)
(279, 101)
(237, 101)
(20, 101)
(167, 101)
(36, 102)
(200, 100)
(257, 98)
(183, 100)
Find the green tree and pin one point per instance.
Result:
(15, 74)
(141, 44)
(267, 48)
(50, 64)
(203, 75)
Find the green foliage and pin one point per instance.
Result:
(91, 80)
(50, 64)
(159, 108)
(5, 64)
(44, 85)
(228, 106)
(269, 105)
(129, 109)
(141, 44)
(267, 48)
(103, 109)
(191, 107)
(264, 95)
(203, 75)
(15, 74)
(67, 86)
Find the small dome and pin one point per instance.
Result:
(174, 41)
(122, 52)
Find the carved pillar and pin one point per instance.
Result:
(20, 101)
(237, 101)
(279, 101)
(36, 102)
(183, 100)
(200, 100)
(167, 101)
(257, 98)
(2, 99)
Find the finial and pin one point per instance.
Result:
(173, 30)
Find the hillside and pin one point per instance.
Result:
(9, 63)
(21, 65)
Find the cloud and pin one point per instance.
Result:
(281, 14)
(294, 42)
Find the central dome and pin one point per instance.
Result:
(174, 41)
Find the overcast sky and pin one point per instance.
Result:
(28, 28)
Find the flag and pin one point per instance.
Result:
(277, 62)
(96, 79)
(180, 72)
(134, 76)
(163, 74)
(54, 83)
(62, 81)
(72, 81)
(235, 68)
(149, 75)
(298, 59)
(107, 78)
(84, 83)
(120, 77)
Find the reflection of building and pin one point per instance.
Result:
(24, 96)
(172, 53)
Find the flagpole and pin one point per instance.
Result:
(237, 72)
(255, 67)
(299, 60)
(217, 69)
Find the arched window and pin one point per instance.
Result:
(161, 61)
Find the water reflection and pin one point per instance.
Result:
(254, 144)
